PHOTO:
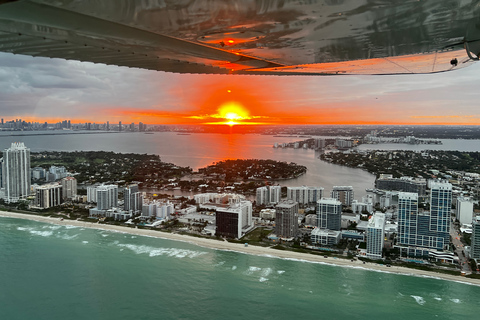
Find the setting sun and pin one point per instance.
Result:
(233, 112)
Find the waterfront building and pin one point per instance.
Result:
(132, 199)
(286, 219)
(165, 210)
(304, 194)
(16, 176)
(329, 214)
(48, 195)
(344, 194)
(149, 209)
(422, 234)
(464, 210)
(325, 237)
(343, 144)
(320, 143)
(218, 198)
(475, 248)
(403, 184)
(107, 197)
(375, 235)
(268, 195)
(69, 187)
(92, 194)
(234, 220)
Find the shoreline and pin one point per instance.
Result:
(252, 250)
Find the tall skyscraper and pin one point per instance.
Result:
(344, 194)
(420, 233)
(107, 197)
(16, 172)
(407, 218)
(375, 235)
(440, 208)
(132, 199)
(69, 187)
(286, 219)
(329, 214)
(475, 249)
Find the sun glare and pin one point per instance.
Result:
(233, 112)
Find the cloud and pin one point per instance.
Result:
(42, 88)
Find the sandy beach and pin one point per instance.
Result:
(254, 250)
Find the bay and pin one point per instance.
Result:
(202, 149)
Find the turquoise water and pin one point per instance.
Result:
(56, 272)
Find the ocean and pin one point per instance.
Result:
(60, 272)
(56, 272)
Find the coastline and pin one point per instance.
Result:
(252, 250)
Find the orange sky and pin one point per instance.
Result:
(85, 92)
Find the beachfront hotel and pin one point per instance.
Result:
(329, 214)
(425, 234)
(16, 178)
(286, 219)
(375, 235)
(475, 249)
(235, 219)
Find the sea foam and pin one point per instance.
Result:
(419, 300)
(170, 252)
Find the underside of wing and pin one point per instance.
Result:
(323, 37)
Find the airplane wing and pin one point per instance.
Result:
(267, 37)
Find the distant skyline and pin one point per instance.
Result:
(42, 89)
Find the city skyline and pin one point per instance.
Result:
(41, 89)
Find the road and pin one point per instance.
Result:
(459, 249)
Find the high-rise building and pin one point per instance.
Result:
(464, 210)
(262, 196)
(304, 194)
(268, 195)
(92, 194)
(375, 235)
(16, 172)
(420, 233)
(107, 197)
(329, 214)
(48, 195)
(475, 248)
(132, 199)
(403, 184)
(344, 194)
(286, 219)
(440, 208)
(235, 220)
(320, 143)
(407, 218)
(69, 187)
